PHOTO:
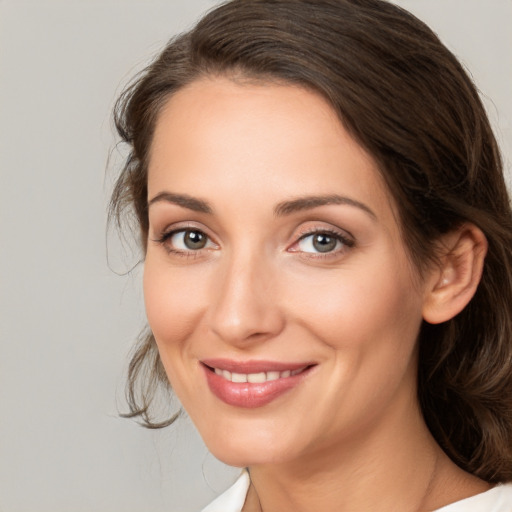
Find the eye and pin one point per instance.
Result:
(322, 242)
(319, 242)
(186, 241)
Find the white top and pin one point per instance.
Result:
(497, 499)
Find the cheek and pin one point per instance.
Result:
(173, 303)
(173, 299)
(368, 305)
(369, 322)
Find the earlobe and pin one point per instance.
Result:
(452, 284)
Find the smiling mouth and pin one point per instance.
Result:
(253, 384)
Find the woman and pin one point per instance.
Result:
(327, 241)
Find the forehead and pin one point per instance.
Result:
(217, 137)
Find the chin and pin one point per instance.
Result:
(247, 450)
(247, 458)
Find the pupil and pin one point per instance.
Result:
(195, 239)
(324, 243)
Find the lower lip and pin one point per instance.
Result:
(251, 395)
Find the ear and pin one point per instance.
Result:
(451, 285)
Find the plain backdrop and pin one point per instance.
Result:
(67, 321)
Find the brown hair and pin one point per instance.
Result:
(406, 99)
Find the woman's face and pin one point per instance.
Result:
(276, 281)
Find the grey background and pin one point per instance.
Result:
(67, 321)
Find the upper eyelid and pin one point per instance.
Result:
(334, 230)
(175, 227)
(331, 231)
(173, 231)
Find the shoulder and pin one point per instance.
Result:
(233, 499)
(497, 499)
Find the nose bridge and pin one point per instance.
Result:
(245, 305)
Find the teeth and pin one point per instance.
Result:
(256, 378)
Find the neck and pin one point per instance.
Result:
(397, 466)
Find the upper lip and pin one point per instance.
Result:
(254, 366)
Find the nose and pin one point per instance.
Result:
(244, 307)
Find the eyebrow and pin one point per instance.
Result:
(310, 202)
(183, 200)
(282, 209)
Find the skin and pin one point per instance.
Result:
(350, 435)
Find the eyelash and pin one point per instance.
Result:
(167, 235)
(346, 242)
